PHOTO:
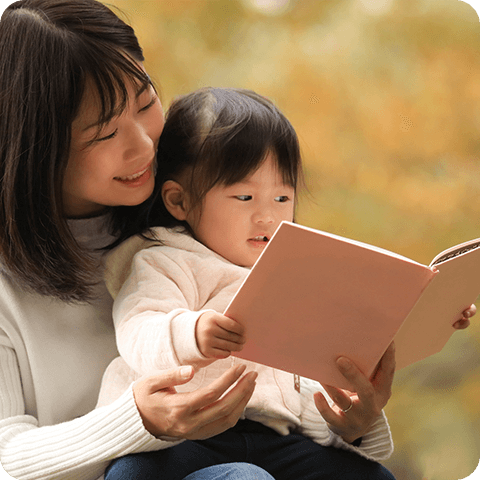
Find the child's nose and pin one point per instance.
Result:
(264, 217)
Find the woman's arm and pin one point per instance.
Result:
(79, 449)
(82, 448)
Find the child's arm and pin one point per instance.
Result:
(157, 310)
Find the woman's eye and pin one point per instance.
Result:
(108, 137)
(149, 105)
(244, 198)
(282, 198)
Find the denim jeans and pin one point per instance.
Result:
(231, 471)
(284, 457)
(226, 471)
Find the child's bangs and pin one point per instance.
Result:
(250, 146)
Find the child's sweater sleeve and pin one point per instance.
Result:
(80, 449)
(155, 312)
(376, 445)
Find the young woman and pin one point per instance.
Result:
(79, 126)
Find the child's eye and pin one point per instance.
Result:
(244, 198)
(282, 198)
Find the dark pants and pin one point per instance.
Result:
(291, 457)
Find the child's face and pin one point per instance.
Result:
(238, 221)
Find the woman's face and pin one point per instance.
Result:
(115, 167)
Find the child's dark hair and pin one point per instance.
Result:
(217, 136)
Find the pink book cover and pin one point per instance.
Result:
(313, 296)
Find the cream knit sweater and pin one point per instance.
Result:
(52, 358)
(160, 291)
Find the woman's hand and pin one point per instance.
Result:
(464, 322)
(354, 413)
(196, 415)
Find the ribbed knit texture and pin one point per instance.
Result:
(76, 450)
(52, 357)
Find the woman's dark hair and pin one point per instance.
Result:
(219, 136)
(48, 50)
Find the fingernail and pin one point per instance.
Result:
(241, 368)
(186, 372)
(344, 363)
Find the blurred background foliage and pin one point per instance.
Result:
(385, 96)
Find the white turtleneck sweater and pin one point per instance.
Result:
(52, 358)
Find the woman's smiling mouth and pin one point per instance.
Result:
(136, 179)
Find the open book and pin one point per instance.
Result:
(313, 296)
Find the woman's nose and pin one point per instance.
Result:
(139, 144)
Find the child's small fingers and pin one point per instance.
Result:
(226, 345)
(220, 354)
(231, 325)
(470, 312)
(461, 324)
(230, 337)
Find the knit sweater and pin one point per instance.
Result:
(160, 291)
(52, 358)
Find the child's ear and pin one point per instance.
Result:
(174, 199)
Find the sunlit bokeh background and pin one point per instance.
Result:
(385, 96)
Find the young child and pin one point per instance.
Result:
(228, 170)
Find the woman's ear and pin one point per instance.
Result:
(174, 199)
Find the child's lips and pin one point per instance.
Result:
(259, 241)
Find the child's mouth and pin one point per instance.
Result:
(259, 241)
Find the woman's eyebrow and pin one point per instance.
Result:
(139, 92)
(142, 89)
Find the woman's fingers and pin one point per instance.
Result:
(169, 379)
(207, 395)
(224, 414)
(199, 414)
(354, 412)
(382, 379)
(330, 416)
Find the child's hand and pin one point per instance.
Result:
(464, 322)
(218, 336)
